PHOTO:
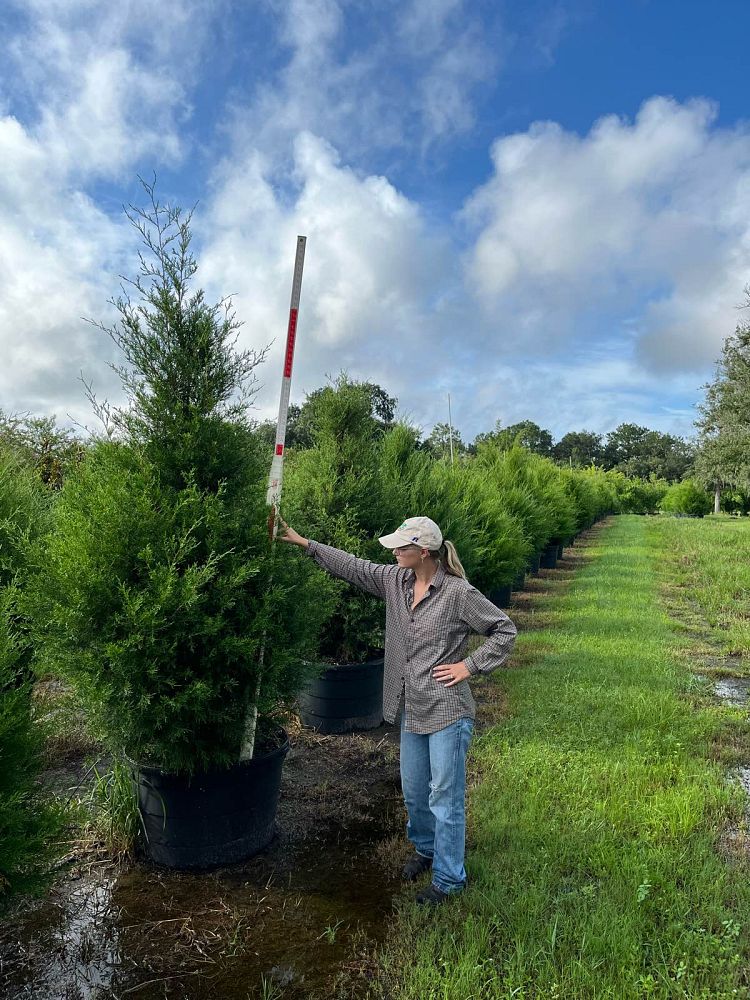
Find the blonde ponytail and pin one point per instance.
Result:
(448, 556)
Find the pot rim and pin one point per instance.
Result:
(282, 749)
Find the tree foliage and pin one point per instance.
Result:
(156, 590)
(687, 497)
(302, 420)
(526, 433)
(334, 494)
(26, 821)
(51, 450)
(724, 422)
(439, 441)
(637, 451)
(579, 448)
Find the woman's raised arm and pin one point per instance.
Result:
(366, 575)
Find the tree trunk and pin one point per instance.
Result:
(717, 499)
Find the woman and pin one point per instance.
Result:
(431, 609)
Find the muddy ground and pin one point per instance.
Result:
(298, 921)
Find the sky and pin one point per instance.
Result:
(539, 208)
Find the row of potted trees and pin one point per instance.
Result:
(506, 511)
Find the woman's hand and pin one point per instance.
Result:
(449, 674)
(290, 535)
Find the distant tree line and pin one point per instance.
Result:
(631, 449)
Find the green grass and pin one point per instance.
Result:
(594, 869)
(709, 560)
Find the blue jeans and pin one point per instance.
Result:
(433, 779)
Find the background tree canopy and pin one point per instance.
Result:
(724, 449)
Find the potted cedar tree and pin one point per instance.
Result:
(333, 493)
(489, 538)
(157, 598)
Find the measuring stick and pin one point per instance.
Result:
(276, 475)
(277, 464)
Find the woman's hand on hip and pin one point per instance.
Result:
(288, 534)
(449, 674)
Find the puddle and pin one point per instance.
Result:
(733, 690)
(283, 924)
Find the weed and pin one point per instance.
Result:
(329, 934)
(115, 806)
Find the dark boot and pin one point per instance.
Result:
(414, 867)
(431, 896)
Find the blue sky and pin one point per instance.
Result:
(541, 208)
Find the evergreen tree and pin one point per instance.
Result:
(724, 424)
(333, 493)
(26, 821)
(156, 593)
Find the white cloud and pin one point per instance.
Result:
(394, 79)
(106, 85)
(58, 252)
(373, 271)
(636, 234)
(651, 216)
(95, 101)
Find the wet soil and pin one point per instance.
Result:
(299, 921)
(287, 923)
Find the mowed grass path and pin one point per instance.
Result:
(596, 817)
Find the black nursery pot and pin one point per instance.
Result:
(500, 596)
(549, 557)
(212, 818)
(533, 563)
(519, 581)
(344, 698)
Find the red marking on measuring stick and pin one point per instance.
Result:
(275, 477)
(291, 336)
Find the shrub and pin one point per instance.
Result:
(465, 503)
(605, 490)
(638, 496)
(333, 493)
(27, 823)
(583, 492)
(507, 473)
(551, 516)
(687, 497)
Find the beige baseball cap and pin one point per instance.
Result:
(421, 531)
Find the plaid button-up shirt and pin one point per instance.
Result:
(419, 639)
